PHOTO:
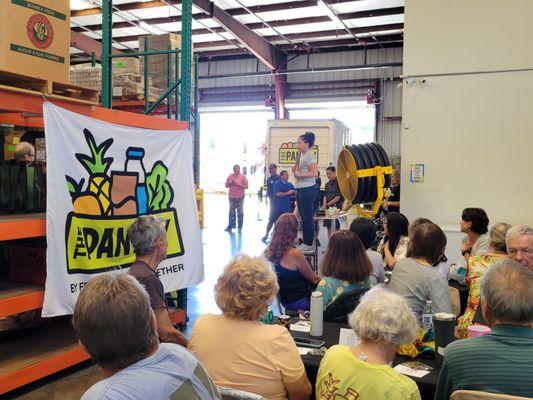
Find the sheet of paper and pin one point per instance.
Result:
(347, 337)
(304, 350)
(417, 373)
(300, 327)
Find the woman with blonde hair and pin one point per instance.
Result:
(383, 322)
(295, 277)
(237, 349)
(476, 268)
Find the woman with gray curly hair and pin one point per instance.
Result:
(237, 349)
(383, 321)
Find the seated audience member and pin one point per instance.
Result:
(476, 268)
(295, 277)
(444, 265)
(519, 248)
(148, 237)
(116, 326)
(345, 267)
(393, 245)
(416, 277)
(520, 245)
(365, 229)
(501, 361)
(237, 349)
(474, 222)
(383, 322)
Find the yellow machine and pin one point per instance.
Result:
(363, 171)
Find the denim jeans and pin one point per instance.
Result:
(305, 198)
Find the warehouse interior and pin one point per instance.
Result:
(429, 93)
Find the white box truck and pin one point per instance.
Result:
(330, 136)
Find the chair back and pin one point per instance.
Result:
(237, 394)
(475, 395)
(455, 300)
(343, 305)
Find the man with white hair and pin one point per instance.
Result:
(520, 245)
(149, 239)
(24, 152)
(501, 361)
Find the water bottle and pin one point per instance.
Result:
(317, 314)
(427, 316)
(134, 164)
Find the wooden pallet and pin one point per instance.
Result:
(46, 87)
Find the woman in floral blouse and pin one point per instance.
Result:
(476, 268)
(345, 266)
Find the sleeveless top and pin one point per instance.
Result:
(292, 284)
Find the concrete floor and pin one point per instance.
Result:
(219, 248)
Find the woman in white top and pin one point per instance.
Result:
(393, 245)
(305, 172)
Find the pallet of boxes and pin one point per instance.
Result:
(158, 65)
(128, 81)
(34, 48)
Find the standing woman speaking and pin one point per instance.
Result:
(305, 172)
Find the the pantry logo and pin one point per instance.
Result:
(40, 31)
(96, 231)
(288, 153)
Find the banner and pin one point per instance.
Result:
(100, 178)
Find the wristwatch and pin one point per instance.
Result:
(465, 252)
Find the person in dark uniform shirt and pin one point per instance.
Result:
(282, 202)
(332, 196)
(392, 204)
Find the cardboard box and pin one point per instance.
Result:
(128, 83)
(158, 65)
(40, 150)
(35, 38)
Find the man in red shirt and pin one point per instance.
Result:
(236, 183)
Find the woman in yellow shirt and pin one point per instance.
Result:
(383, 321)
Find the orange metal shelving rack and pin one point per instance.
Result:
(53, 347)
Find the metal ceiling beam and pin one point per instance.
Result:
(256, 44)
(88, 45)
(320, 46)
(292, 36)
(259, 25)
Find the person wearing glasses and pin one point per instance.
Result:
(25, 152)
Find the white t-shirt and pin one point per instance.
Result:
(306, 160)
(172, 372)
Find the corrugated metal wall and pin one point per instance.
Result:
(338, 84)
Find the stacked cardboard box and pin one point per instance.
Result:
(158, 65)
(128, 83)
(35, 37)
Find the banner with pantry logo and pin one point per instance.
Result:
(100, 177)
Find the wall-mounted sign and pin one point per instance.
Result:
(417, 173)
(288, 153)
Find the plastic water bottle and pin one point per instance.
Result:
(427, 315)
(317, 314)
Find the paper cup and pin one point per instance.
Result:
(478, 330)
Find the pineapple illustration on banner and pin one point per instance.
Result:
(106, 204)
